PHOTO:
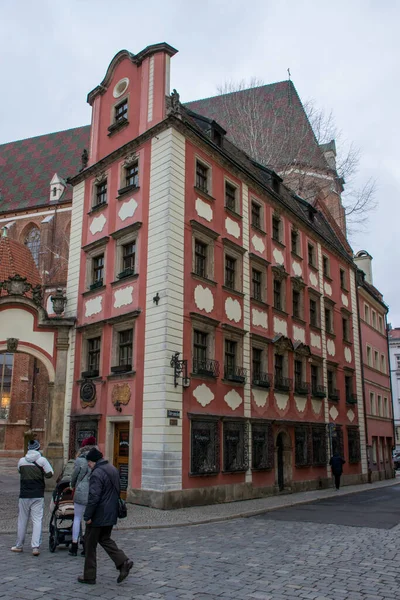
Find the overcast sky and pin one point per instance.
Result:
(344, 55)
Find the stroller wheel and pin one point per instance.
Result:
(53, 538)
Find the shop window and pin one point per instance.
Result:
(235, 442)
(354, 450)
(318, 433)
(205, 445)
(262, 446)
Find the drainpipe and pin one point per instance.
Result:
(358, 278)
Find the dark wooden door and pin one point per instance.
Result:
(121, 454)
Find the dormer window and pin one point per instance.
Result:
(121, 111)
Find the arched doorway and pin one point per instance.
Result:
(283, 451)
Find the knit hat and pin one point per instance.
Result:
(94, 455)
(90, 441)
(33, 445)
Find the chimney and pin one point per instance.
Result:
(363, 261)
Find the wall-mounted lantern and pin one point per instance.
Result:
(180, 368)
(59, 301)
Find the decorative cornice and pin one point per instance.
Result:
(203, 229)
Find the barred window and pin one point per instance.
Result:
(353, 439)
(235, 439)
(302, 446)
(262, 445)
(319, 445)
(205, 445)
(337, 440)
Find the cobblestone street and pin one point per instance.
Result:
(255, 558)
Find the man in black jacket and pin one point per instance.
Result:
(337, 463)
(101, 515)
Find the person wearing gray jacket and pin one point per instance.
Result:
(80, 483)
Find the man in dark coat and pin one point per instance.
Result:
(101, 515)
(337, 463)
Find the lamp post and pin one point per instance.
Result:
(180, 368)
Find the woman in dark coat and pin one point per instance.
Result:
(337, 463)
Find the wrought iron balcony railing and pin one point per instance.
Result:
(90, 374)
(318, 391)
(96, 284)
(351, 398)
(302, 388)
(262, 379)
(334, 395)
(283, 384)
(206, 367)
(237, 374)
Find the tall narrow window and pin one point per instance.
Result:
(348, 386)
(257, 363)
(32, 241)
(346, 329)
(278, 368)
(128, 257)
(325, 266)
(311, 255)
(230, 272)
(277, 294)
(200, 350)
(132, 175)
(6, 371)
(296, 303)
(101, 193)
(314, 378)
(200, 262)
(342, 274)
(366, 313)
(98, 270)
(276, 229)
(299, 385)
(328, 320)
(94, 356)
(125, 348)
(256, 215)
(294, 236)
(331, 383)
(230, 357)
(202, 176)
(374, 319)
(230, 196)
(313, 313)
(256, 279)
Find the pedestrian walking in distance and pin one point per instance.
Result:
(101, 515)
(337, 463)
(33, 469)
(80, 484)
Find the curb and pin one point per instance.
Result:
(240, 515)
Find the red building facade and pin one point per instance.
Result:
(217, 345)
(376, 373)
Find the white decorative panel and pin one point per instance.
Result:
(19, 323)
(334, 413)
(347, 355)
(330, 347)
(93, 306)
(204, 298)
(282, 400)
(278, 256)
(299, 334)
(233, 310)
(301, 403)
(259, 318)
(297, 270)
(204, 210)
(123, 297)
(260, 398)
(233, 399)
(203, 394)
(328, 289)
(345, 300)
(350, 415)
(258, 244)
(313, 279)
(316, 406)
(315, 340)
(127, 209)
(280, 326)
(97, 224)
(232, 227)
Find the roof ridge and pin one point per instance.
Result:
(43, 135)
(256, 87)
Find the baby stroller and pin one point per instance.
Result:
(62, 516)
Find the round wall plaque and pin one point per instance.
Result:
(88, 393)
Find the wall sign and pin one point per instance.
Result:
(173, 414)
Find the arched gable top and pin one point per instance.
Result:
(282, 343)
(136, 59)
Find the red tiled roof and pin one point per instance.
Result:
(16, 259)
(395, 333)
(268, 122)
(27, 166)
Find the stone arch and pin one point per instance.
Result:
(283, 459)
(36, 353)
